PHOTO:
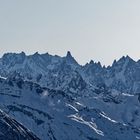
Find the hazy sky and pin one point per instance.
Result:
(101, 30)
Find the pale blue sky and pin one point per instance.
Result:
(101, 30)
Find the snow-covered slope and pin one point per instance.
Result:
(55, 115)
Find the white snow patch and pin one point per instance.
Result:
(126, 94)
(72, 107)
(45, 94)
(137, 137)
(3, 77)
(79, 104)
(104, 115)
(92, 125)
(58, 101)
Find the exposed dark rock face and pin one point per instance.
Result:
(12, 130)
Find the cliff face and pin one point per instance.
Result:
(10, 129)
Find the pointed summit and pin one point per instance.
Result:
(128, 57)
(125, 59)
(36, 54)
(114, 63)
(69, 54)
(70, 59)
(91, 62)
(23, 53)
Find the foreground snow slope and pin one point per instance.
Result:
(55, 115)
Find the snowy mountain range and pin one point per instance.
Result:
(58, 99)
(59, 73)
